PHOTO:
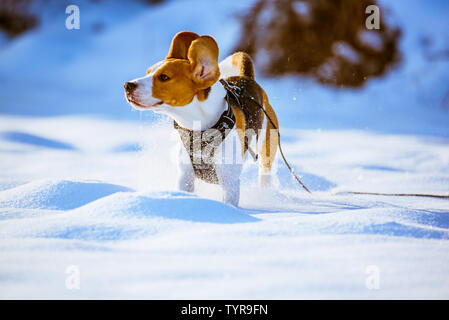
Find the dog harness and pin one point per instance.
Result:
(202, 159)
(202, 155)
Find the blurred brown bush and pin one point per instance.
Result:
(325, 39)
(15, 17)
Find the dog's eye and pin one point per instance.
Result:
(164, 77)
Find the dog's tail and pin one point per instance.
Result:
(238, 64)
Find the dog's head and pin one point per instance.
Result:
(190, 67)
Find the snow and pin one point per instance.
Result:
(86, 182)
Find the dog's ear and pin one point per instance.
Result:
(203, 56)
(180, 44)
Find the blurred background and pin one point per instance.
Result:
(321, 66)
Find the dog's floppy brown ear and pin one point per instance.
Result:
(180, 44)
(203, 56)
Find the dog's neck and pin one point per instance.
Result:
(199, 115)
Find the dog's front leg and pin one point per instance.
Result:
(186, 179)
(231, 193)
(186, 176)
(229, 178)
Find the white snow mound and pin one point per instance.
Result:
(170, 205)
(56, 194)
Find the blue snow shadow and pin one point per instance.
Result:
(94, 233)
(381, 168)
(311, 181)
(31, 139)
(438, 219)
(127, 147)
(286, 180)
(398, 222)
(402, 230)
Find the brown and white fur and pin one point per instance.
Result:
(185, 87)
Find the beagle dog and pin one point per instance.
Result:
(186, 87)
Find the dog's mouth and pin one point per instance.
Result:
(156, 104)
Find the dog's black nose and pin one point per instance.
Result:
(130, 86)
